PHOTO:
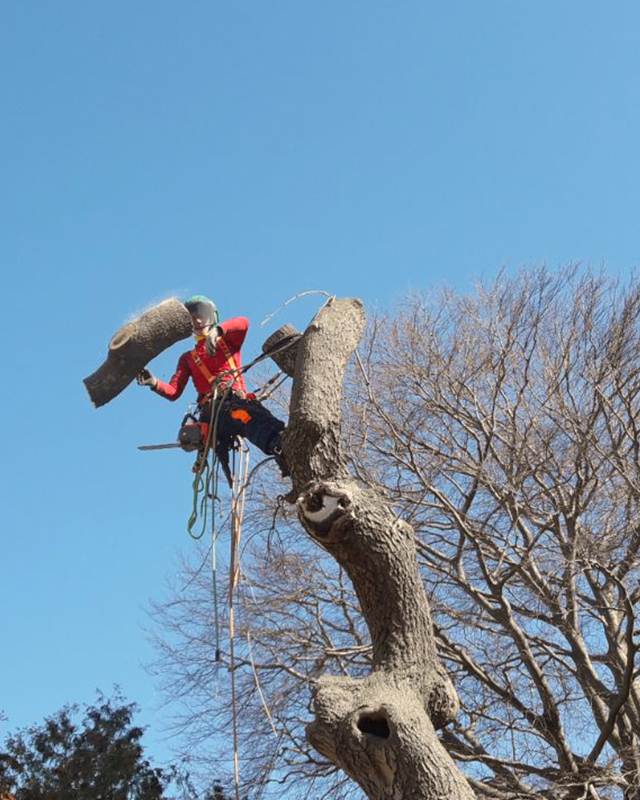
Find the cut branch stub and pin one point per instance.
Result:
(133, 346)
(323, 513)
(282, 347)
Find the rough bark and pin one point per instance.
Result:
(380, 730)
(135, 345)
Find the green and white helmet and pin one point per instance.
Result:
(202, 310)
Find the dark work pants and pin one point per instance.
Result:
(239, 416)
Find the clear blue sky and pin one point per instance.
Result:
(251, 150)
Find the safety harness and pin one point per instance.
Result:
(233, 367)
(221, 448)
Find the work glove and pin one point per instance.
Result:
(212, 341)
(145, 378)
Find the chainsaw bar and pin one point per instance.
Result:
(159, 446)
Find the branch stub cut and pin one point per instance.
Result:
(324, 513)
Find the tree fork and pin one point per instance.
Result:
(134, 345)
(380, 730)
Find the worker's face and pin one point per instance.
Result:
(200, 328)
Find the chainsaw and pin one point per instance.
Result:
(192, 435)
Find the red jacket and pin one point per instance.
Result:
(234, 332)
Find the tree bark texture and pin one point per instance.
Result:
(135, 345)
(381, 730)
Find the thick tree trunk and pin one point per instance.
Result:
(379, 730)
(135, 345)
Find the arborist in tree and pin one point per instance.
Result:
(214, 366)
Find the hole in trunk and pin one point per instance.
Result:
(375, 724)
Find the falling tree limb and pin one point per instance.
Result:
(135, 345)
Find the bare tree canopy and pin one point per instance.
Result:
(504, 429)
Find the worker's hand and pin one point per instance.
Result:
(212, 340)
(145, 378)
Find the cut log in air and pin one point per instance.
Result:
(135, 345)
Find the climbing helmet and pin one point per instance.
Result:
(204, 313)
